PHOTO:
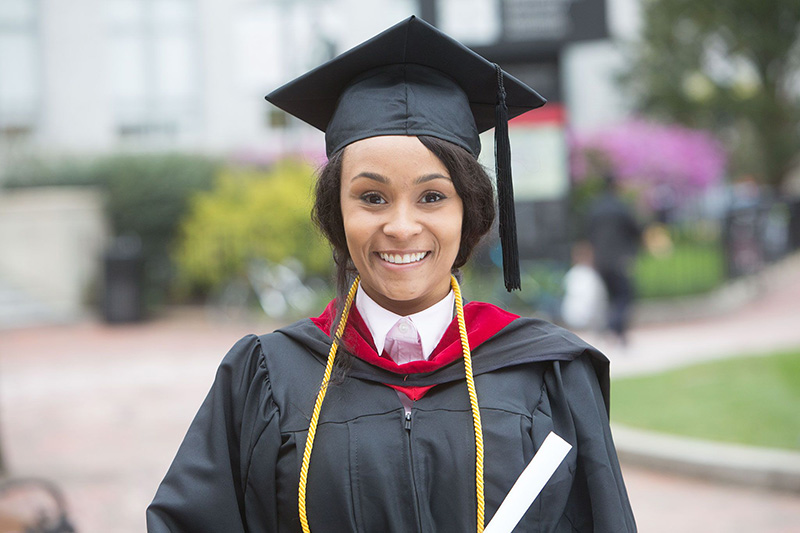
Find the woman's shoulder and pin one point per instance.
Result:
(531, 334)
(531, 340)
(243, 356)
(255, 351)
(307, 333)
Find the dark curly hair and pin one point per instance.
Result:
(470, 180)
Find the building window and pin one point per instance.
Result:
(154, 66)
(20, 76)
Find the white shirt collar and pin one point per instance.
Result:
(431, 323)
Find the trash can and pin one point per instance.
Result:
(123, 280)
(794, 224)
(743, 240)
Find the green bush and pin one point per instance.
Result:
(148, 196)
(692, 265)
(250, 214)
(48, 173)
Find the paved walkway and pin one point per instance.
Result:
(754, 317)
(101, 410)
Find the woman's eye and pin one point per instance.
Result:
(431, 197)
(373, 198)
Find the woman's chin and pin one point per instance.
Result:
(408, 300)
(403, 298)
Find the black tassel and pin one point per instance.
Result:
(505, 190)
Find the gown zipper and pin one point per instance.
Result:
(407, 426)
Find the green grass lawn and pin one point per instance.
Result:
(749, 400)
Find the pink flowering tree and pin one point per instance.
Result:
(653, 160)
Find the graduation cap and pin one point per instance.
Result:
(412, 79)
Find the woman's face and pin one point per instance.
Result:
(402, 220)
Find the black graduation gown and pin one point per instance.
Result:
(372, 469)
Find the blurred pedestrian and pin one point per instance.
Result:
(416, 434)
(615, 236)
(585, 302)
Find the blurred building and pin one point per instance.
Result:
(93, 76)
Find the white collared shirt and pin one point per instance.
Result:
(431, 323)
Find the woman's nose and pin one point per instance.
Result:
(403, 223)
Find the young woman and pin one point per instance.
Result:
(437, 406)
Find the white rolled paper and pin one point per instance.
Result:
(529, 484)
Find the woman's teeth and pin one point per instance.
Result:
(399, 259)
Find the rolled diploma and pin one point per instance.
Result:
(529, 484)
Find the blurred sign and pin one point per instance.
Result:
(539, 159)
(559, 21)
(539, 154)
(541, 181)
(519, 26)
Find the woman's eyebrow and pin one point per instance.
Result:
(383, 179)
(430, 177)
(372, 176)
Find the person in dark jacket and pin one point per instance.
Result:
(400, 408)
(615, 236)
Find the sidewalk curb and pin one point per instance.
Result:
(730, 463)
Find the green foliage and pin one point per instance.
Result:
(49, 173)
(250, 214)
(729, 66)
(148, 196)
(689, 268)
(749, 400)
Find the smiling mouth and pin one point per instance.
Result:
(403, 259)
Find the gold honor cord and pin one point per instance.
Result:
(473, 400)
(312, 428)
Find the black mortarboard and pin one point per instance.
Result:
(412, 79)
